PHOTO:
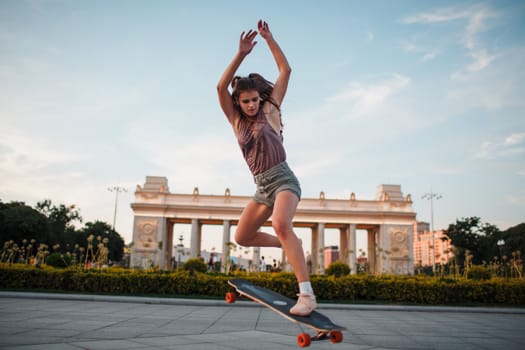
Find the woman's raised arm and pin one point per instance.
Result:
(246, 44)
(281, 83)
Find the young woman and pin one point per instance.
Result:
(253, 110)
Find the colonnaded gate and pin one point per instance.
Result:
(388, 221)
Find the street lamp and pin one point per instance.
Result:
(500, 244)
(180, 250)
(117, 190)
(431, 195)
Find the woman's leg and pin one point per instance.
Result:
(282, 220)
(252, 218)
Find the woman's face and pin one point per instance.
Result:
(249, 102)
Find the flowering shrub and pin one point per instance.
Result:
(478, 273)
(338, 269)
(195, 265)
(351, 288)
(59, 260)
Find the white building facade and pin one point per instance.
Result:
(388, 220)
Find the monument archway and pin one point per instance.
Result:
(388, 220)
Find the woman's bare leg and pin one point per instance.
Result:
(282, 221)
(252, 218)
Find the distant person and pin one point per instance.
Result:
(263, 264)
(210, 262)
(253, 109)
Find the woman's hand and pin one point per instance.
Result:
(264, 30)
(246, 43)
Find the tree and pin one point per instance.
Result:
(19, 221)
(60, 223)
(514, 240)
(115, 243)
(55, 226)
(480, 239)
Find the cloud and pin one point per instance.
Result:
(476, 23)
(509, 146)
(370, 36)
(21, 152)
(34, 168)
(481, 60)
(514, 139)
(428, 54)
(436, 16)
(314, 164)
(475, 17)
(498, 87)
(194, 159)
(365, 98)
(516, 199)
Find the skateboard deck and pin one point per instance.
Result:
(280, 304)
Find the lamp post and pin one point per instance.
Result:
(117, 190)
(431, 195)
(180, 250)
(500, 244)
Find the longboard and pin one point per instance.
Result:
(280, 304)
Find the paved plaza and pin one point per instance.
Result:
(72, 322)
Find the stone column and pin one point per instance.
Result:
(168, 247)
(199, 239)
(352, 248)
(410, 249)
(161, 258)
(148, 233)
(343, 244)
(372, 251)
(284, 261)
(226, 227)
(314, 251)
(195, 239)
(385, 250)
(257, 258)
(319, 268)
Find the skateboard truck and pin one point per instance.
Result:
(304, 339)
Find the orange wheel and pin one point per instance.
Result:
(230, 297)
(304, 340)
(336, 336)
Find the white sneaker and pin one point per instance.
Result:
(305, 305)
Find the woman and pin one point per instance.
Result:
(253, 110)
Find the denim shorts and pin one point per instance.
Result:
(274, 180)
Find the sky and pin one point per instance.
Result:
(425, 94)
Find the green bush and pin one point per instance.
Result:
(58, 260)
(338, 269)
(195, 265)
(478, 273)
(422, 290)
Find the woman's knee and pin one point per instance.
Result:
(242, 238)
(282, 228)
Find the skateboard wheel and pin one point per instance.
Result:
(336, 336)
(230, 297)
(304, 340)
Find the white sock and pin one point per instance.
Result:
(306, 288)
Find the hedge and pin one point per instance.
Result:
(352, 288)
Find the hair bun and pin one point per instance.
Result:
(234, 81)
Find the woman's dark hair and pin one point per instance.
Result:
(253, 81)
